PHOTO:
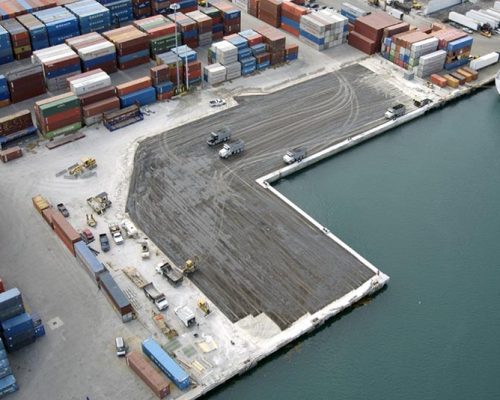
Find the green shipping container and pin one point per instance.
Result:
(64, 130)
(59, 106)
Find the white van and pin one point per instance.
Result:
(121, 347)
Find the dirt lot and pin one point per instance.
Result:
(256, 255)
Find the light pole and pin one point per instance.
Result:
(175, 7)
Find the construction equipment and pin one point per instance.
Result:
(90, 220)
(76, 169)
(373, 2)
(135, 277)
(116, 233)
(89, 162)
(173, 276)
(99, 203)
(416, 5)
(144, 250)
(159, 321)
(190, 266)
(203, 305)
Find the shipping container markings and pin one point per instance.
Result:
(55, 323)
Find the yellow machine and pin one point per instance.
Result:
(416, 5)
(190, 266)
(89, 162)
(203, 305)
(91, 221)
(75, 169)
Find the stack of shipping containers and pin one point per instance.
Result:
(204, 27)
(6, 55)
(94, 52)
(56, 116)
(37, 31)
(187, 28)
(291, 14)
(26, 82)
(275, 41)
(217, 22)
(270, 12)
(139, 91)
(97, 102)
(120, 11)
(19, 38)
(4, 92)
(60, 24)
(58, 63)
(368, 31)
(231, 16)
(92, 16)
(323, 29)
(161, 33)
(160, 76)
(14, 126)
(132, 46)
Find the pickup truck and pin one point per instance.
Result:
(104, 241)
(144, 250)
(116, 233)
(232, 148)
(219, 136)
(294, 155)
(174, 277)
(157, 297)
(397, 111)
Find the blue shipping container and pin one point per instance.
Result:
(17, 324)
(92, 265)
(169, 367)
(11, 297)
(459, 44)
(8, 385)
(143, 97)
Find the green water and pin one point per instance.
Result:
(422, 203)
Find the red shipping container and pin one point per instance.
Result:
(133, 86)
(149, 375)
(2, 288)
(62, 119)
(98, 95)
(113, 103)
(11, 154)
(65, 231)
(362, 43)
(47, 215)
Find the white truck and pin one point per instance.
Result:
(219, 136)
(232, 148)
(186, 316)
(129, 229)
(116, 233)
(294, 155)
(397, 111)
(157, 297)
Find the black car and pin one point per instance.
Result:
(63, 210)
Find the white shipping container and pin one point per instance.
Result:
(463, 20)
(497, 5)
(488, 15)
(481, 18)
(484, 61)
(395, 13)
(493, 12)
(90, 83)
(96, 50)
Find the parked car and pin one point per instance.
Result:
(217, 102)
(63, 210)
(87, 236)
(103, 239)
(121, 347)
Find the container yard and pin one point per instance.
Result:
(207, 269)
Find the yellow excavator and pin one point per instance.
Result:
(86, 163)
(416, 5)
(89, 162)
(91, 220)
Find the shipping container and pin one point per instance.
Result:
(11, 304)
(8, 385)
(149, 375)
(19, 324)
(11, 154)
(115, 295)
(166, 363)
(65, 231)
(89, 261)
(40, 203)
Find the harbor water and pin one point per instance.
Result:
(422, 204)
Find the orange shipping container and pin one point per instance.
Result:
(438, 80)
(133, 86)
(40, 203)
